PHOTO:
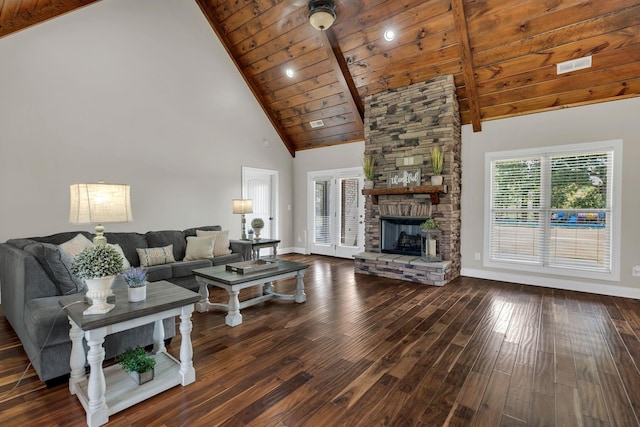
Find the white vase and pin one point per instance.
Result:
(257, 231)
(99, 289)
(138, 294)
(436, 180)
(368, 183)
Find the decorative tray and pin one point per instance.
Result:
(252, 266)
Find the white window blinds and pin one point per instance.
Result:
(552, 209)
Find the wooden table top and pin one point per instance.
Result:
(161, 296)
(221, 274)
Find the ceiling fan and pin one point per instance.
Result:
(321, 13)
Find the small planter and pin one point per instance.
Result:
(436, 180)
(138, 294)
(368, 183)
(142, 377)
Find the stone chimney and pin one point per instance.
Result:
(401, 126)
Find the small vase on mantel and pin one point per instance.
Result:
(436, 180)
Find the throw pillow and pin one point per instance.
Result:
(155, 256)
(221, 246)
(199, 247)
(57, 264)
(74, 246)
(125, 262)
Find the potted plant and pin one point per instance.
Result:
(138, 364)
(257, 224)
(98, 265)
(430, 234)
(429, 224)
(136, 279)
(368, 165)
(436, 165)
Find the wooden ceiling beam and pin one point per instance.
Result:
(466, 59)
(332, 48)
(209, 14)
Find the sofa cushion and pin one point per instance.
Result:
(60, 238)
(193, 231)
(159, 272)
(129, 242)
(43, 316)
(199, 247)
(125, 262)
(155, 256)
(57, 264)
(74, 246)
(226, 259)
(185, 268)
(21, 243)
(157, 239)
(221, 246)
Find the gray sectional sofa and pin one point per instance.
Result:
(31, 290)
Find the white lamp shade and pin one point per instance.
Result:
(242, 206)
(321, 19)
(99, 203)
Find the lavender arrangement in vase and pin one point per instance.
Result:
(136, 279)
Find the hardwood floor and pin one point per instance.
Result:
(369, 351)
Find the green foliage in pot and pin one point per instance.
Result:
(437, 158)
(136, 360)
(257, 223)
(429, 224)
(368, 164)
(97, 261)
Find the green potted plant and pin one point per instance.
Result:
(429, 224)
(138, 364)
(257, 224)
(98, 265)
(368, 165)
(437, 158)
(136, 279)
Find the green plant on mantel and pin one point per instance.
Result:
(436, 160)
(429, 224)
(368, 164)
(136, 360)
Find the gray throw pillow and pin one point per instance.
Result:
(57, 264)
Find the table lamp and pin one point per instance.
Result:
(243, 206)
(99, 203)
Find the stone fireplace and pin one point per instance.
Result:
(401, 127)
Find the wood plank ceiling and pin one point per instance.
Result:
(502, 54)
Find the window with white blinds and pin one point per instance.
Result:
(555, 210)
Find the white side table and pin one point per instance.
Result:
(111, 390)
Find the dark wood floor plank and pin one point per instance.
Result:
(367, 351)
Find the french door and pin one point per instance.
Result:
(336, 212)
(261, 186)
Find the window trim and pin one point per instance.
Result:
(616, 207)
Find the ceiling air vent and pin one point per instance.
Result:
(316, 124)
(574, 65)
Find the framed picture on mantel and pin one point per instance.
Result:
(404, 178)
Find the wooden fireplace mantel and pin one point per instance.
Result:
(432, 190)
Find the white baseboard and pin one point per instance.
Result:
(551, 282)
(292, 250)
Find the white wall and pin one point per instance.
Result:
(138, 92)
(601, 122)
(326, 158)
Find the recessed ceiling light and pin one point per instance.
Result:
(289, 72)
(389, 35)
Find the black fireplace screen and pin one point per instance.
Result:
(400, 235)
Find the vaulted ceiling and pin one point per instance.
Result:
(502, 54)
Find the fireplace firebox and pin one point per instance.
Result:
(400, 234)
